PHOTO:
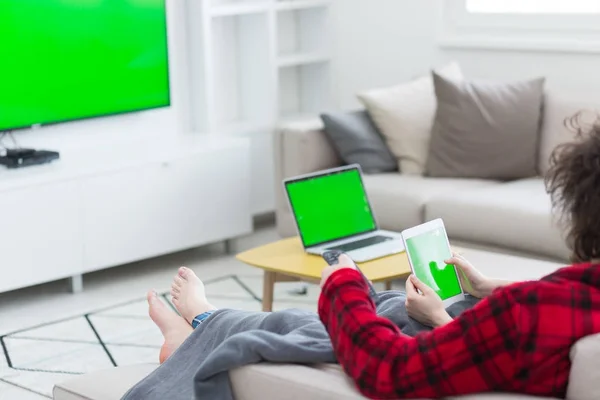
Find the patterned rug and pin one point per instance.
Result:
(33, 360)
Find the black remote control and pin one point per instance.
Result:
(332, 258)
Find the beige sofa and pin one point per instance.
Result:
(323, 382)
(510, 218)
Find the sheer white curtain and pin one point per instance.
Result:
(534, 6)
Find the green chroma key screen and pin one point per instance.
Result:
(330, 207)
(427, 252)
(63, 60)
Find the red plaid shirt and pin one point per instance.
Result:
(516, 340)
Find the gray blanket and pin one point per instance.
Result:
(230, 338)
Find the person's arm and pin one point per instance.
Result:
(473, 353)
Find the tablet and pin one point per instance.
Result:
(427, 247)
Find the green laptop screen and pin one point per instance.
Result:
(330, 207)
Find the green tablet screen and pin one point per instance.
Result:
(427, 252)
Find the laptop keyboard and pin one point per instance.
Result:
(359, 244)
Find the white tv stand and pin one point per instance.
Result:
(99, 208)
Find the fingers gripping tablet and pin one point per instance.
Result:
(427, 247)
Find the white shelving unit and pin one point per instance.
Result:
(256, 63)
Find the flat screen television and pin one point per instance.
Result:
(63, 60)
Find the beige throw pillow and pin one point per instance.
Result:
(404, 115)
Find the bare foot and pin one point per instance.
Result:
(173, 327)
(188, 294)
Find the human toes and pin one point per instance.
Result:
(176, 287)
(183, 273)
(157, 309)
(178, 281)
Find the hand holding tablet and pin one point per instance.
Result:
(427, 248)
(424, 305)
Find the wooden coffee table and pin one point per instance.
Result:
(286, 260)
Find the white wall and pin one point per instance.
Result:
(110, 130)
(386, 42)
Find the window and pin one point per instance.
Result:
(531, 25)
(534, 6)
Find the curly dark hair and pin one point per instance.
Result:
(573, 182)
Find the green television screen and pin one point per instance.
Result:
(62, 60)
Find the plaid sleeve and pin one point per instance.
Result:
(474, 353)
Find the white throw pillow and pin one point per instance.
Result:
(404, 114)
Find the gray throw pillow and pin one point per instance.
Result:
(357, 141)
(485, 130)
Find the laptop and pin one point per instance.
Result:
(332, 212)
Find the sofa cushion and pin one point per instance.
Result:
(585, 374)
(485, 130)
(255, 382)
(399, 200)
(404, 115)
(298, 382)
(358, 141)
(516, 215)
(500, 396)
(492, 262)
(109, 384)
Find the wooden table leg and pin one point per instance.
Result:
(388, 285)
(269, 280)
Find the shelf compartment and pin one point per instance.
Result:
(302, 31)
(242, 83)
(304, 90)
